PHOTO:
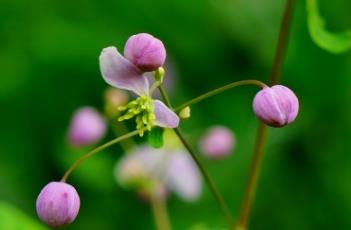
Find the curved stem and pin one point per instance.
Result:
(218, 91)
(96, 150)
(215, 192)
(119, 129)
(160, 213)
(262, 131)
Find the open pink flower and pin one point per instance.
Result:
(144, 167)
(121, 73)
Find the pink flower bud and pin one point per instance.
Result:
(87, 127)
(58, 204)
(218, 142)
(276, 106)
(114, 98)
(145, 51)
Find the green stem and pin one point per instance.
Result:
(165, 97)
(215, 192)
(96, 150)
(218, 91)
(262, 131)
(160, 213)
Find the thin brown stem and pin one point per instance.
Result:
(253, 177)
(282, 43)
(262, 131)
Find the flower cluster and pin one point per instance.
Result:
(143, 53)
(151, 172)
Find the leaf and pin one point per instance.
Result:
(155, 137)
(13, 218)
(332, 42)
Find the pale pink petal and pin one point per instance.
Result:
(165, 117)
(121, 73)
(183, 176)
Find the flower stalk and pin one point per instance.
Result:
(262, 130)
(159, 210)
(215, 192)
(217, 91)
(97, 150)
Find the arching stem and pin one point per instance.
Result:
(96, 150)
(218, 91)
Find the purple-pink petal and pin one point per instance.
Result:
(121, 73)
(288, 101)
(276, 106)
(183, 176)
(165, 117)
(145, 51)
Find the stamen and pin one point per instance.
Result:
(142, 109)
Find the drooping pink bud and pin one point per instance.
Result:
(58, 204)
(276, 106)
(145, 51)
(217, 142)
(87, 127)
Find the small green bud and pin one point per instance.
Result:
(159, 74)
(185, 113)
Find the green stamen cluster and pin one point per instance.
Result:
(142, 109)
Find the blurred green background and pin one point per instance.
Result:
(49, 67)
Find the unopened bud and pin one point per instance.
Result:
(185, 113)
(276, 106)
(58, 204)
(218, 142)
(114, 98)
(87, 127)
(145, 51)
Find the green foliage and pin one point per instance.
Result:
(332, 42)
(155, 137)
(49, 67)
(13, 218)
